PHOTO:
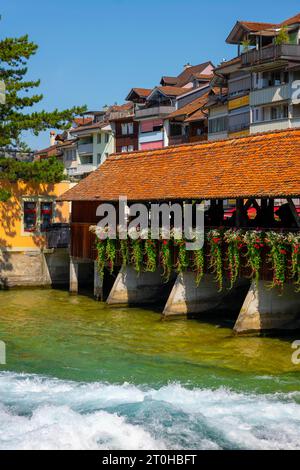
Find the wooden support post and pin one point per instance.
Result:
(239, 212)
(294, 211)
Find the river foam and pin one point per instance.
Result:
(43, 413)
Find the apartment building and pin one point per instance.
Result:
(154, 107)
(91, 144)
(261, 81)
(124, 127)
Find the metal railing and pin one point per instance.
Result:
(58, 236)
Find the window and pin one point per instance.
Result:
(157, 128)
(37, 215)
(130, 148)
(70, 155)
(46, 216)
(99, 138)
(258, 114)
(124, 149)
(30, 216)
(86, 160)
(106, 138)
(124, 128)
(98, 158)
(279, 112)
(219, 124)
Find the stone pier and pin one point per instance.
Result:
(131, 288)
(187, 298)
(98, 283)
(74, 271)
(265, 310)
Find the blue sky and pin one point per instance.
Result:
(94, 51)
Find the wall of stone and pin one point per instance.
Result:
(34, 268)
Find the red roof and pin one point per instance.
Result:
(172, 90)
(189, 109)
(262, 165)
(83, 121)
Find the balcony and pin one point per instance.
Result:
(115, 115)
(271, 53)
(270, 95)
(156, 111)
(81, 169)
(58, 236)
(85, 149)
(178, 139)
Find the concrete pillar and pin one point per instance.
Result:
(73, 276)
(265, 310)
(98, 283)
(186, 298)
(130, 288)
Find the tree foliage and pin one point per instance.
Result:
(15, 115)
(282, 37)
(49, 170)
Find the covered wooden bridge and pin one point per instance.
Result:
(259, 172)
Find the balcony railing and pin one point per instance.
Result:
(81, 169)
(121, 114)
(156, 111)
(270, 95)
(58, 236)
(271, 53)
(85, 149)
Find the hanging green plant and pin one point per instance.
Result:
(182, 262)
(233, 238)
(137, 254)
(166, 259)
(101, 256)
(216, 259)
(254, 242)
(111, 253)
(277, 256)
(151, 255)
(294, 241)
(198, 265)
(124, 250)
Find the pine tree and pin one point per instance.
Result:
(14, 115)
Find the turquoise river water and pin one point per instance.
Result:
(82, 375)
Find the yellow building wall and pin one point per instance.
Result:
(233, 135)
(238, 102)
(12, 236)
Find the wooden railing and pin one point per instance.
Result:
(271, 53)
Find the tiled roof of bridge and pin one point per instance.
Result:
(261, 165)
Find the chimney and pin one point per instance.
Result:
(186, 66)
(52, 138)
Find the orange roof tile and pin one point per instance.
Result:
(190, 108)
(144, 92)
(253, 26)
(83, 121)
(171, 90)
(260, 165)
(95, 125)
(185, 76)
(295, 19)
